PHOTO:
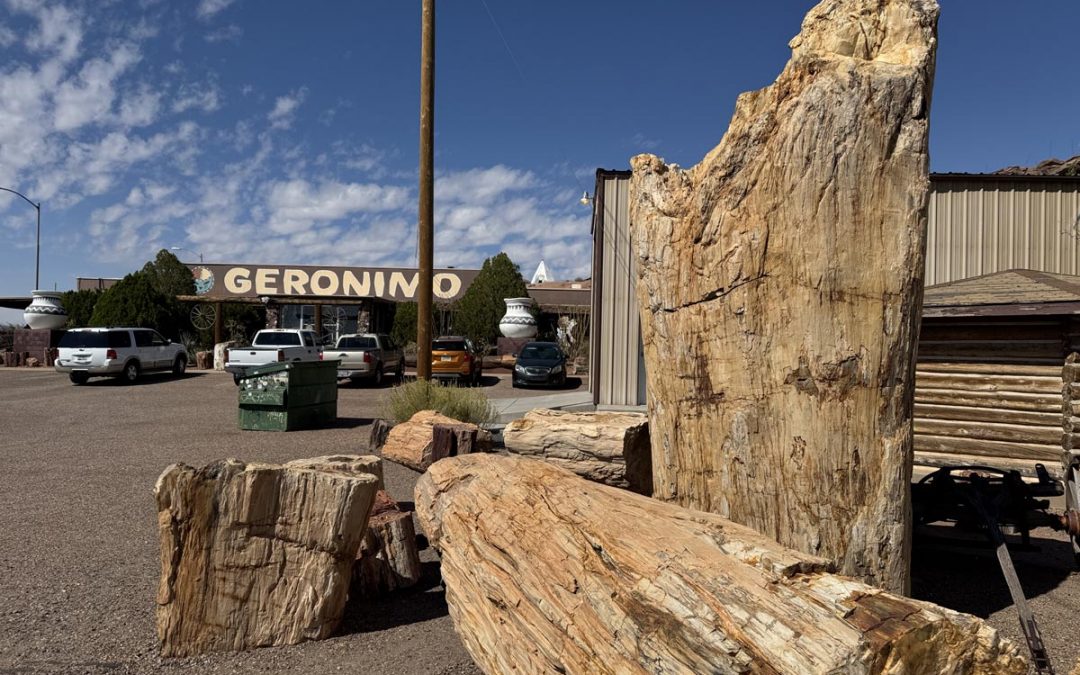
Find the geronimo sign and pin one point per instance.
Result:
(253, 281)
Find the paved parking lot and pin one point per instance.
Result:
(79, 554)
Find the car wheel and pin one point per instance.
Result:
(236, 379)
(400, 374)
(78, 378)
(514, 384)
(179, 366)
(131, 373)
(378, 375)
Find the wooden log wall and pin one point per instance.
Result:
(988, 391)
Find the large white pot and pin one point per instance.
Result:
(45, 311)
(518, 323)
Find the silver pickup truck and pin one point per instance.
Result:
(367, 356)
(272, 345)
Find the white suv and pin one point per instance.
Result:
(122, 352)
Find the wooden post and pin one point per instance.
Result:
(426, 234)
(219, 322)
(318, 320)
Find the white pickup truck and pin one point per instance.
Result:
(367, 356)
(273, 345)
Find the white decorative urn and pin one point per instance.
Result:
(518, 323)
(45, 311)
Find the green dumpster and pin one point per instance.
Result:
(288, 396)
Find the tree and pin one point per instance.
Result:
(80, 306)
(134, 301)
(169, 276)
(479, 310)
(403, 331)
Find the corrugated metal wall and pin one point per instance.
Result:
(984, 224)
(618, 373)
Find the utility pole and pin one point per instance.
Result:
(426, 234)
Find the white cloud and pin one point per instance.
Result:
(230, 33)
(8, 37)
(482, 185)
(281, 117)
(60, 30)
(209, 8)
(204, 96)
(297, 204)
(89, 96)
(139, 109)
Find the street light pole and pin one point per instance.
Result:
(180, 248)
(37, 255)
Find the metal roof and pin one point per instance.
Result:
(1015, 292)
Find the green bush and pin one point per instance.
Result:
(459, 403)
(79, 306)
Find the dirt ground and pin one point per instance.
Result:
(79, 553)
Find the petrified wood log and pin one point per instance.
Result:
(411, 443)
(388, 558)
(547, 572)
(254, 555)
(780, 284)
(606, 447)
(352, 464)
(380, 429)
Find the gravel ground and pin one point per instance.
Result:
(78, 535)
(79, 554)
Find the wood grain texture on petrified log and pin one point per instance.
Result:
(780, 285)
(410, 443)
(547, 572)
(254, 555)
(606, 447)
(388, 558)
(352, 464)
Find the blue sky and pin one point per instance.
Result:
(277, 131)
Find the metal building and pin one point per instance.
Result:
(983, 223)
(978, 224)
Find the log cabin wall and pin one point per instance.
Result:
(988, 390)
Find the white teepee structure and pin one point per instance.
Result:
(541, 274)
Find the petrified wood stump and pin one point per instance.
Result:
(254, 555)
(351, 464)
(388, 558)
(607, 447)
(547, 572)
(780, 284)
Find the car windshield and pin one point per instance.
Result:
(356, 343)
(544, 352)
(277, 340)
(448, 346)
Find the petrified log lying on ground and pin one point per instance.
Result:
(411, 443)
(780, 283)
(607, 447)
(388, 559)
(255, 555)
(547, 572)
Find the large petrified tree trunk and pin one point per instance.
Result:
(546, 572)
(608, 447)
(254, 555)
(780, 290)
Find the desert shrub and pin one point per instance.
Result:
(459, 403)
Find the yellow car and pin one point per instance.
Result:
(453, 358)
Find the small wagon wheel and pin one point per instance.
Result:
(203, 316)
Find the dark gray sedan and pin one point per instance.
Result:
(540, 363)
